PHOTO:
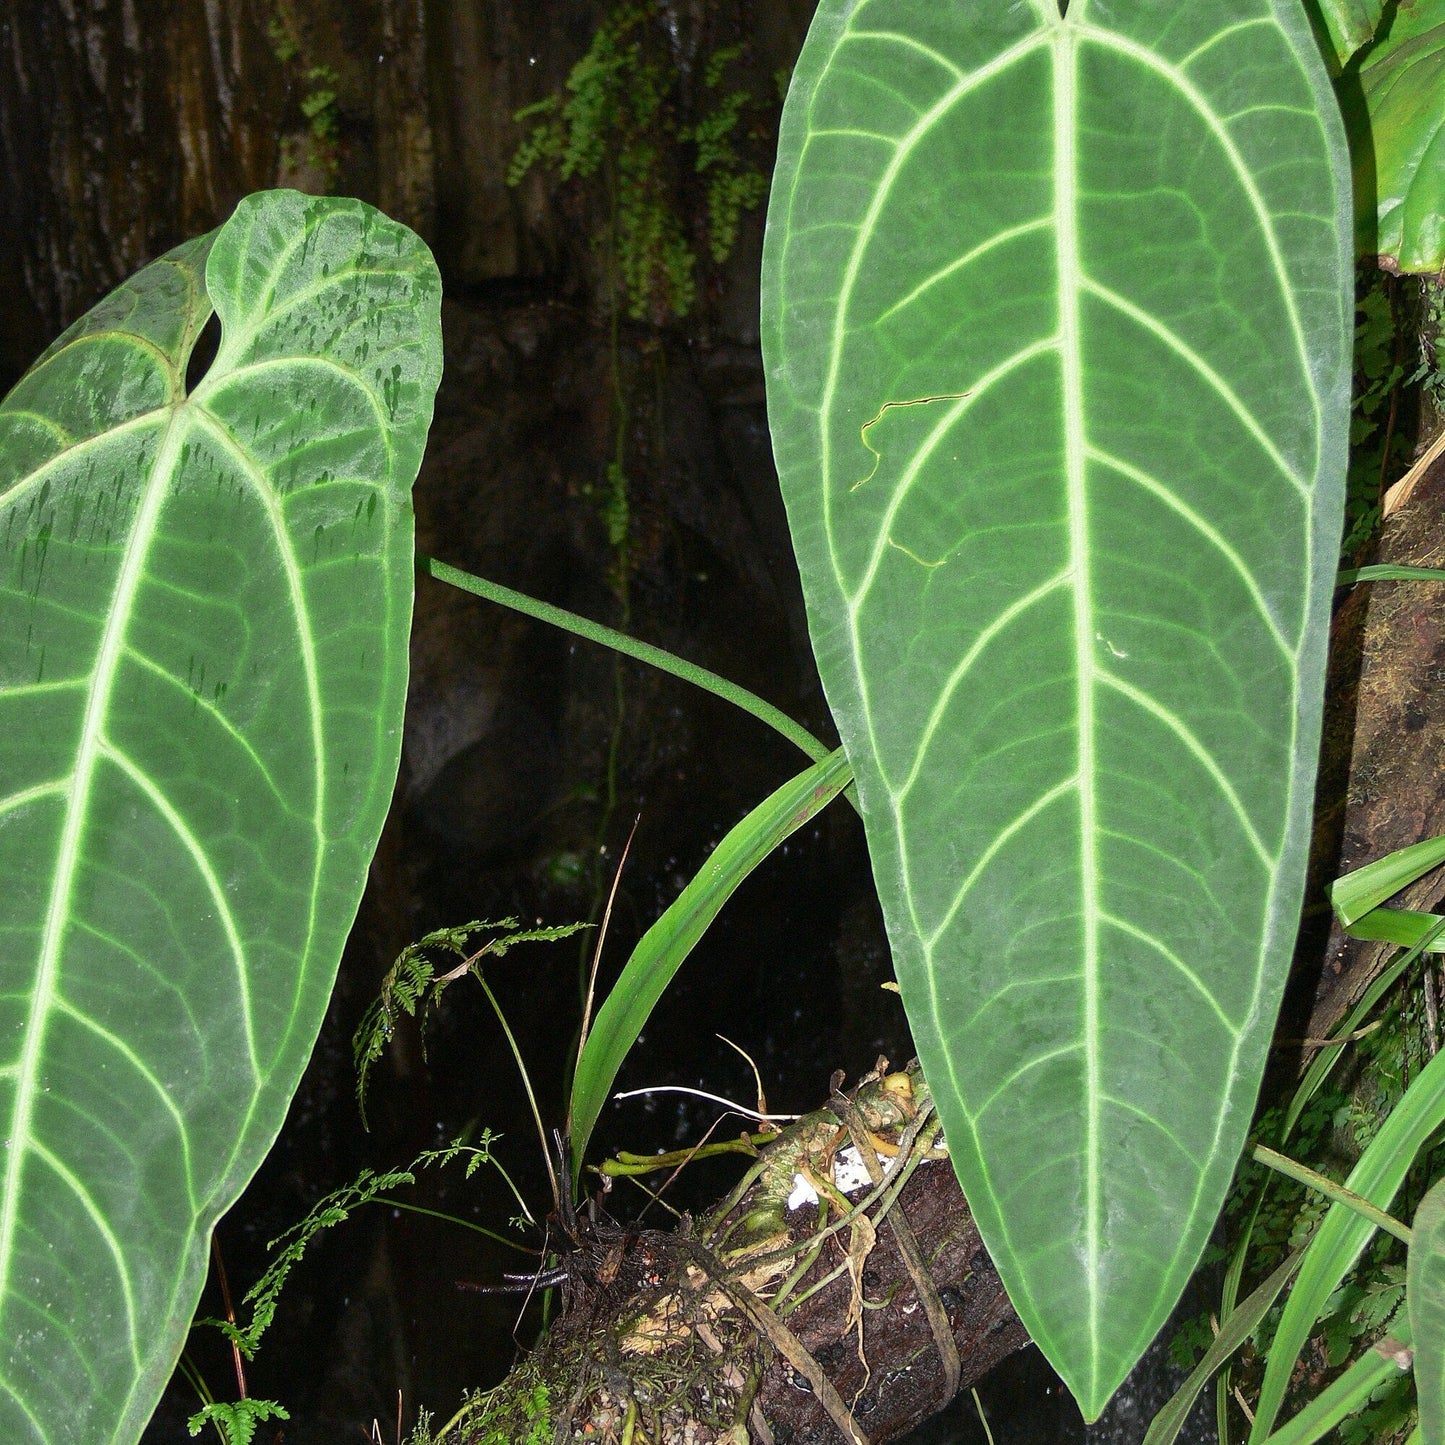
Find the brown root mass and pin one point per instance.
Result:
(848, 1317)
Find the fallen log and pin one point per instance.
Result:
(840, 1292)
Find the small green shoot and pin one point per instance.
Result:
(237, 1421)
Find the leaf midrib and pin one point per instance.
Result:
(1066, 234)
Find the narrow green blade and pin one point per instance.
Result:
(668, 942)
(204, 608)
(1347, 1395)
(1386, 573)
(1364, 889)
(1337, 1243)
(1401, 926)
(1243, 1321)
(1057, 343)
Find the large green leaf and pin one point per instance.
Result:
(1398, 125)
(1058, 357)
(204, 606)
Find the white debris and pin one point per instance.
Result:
(803, 1193)
(849, 1171)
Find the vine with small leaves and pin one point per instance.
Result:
(620, 121)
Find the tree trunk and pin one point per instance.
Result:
(1381, 785)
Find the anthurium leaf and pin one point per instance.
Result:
(1398, 129)
(665, 945)
(1425, 1301)
(1058, 363)
(204, 604)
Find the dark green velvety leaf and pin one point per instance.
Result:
(1057, 340)
(204, 606)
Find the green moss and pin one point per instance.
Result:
(677, 184)
(317, 103)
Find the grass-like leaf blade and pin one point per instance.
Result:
(1337, 1243)
(1403, 927)
(665, 945)
(1363, 889)
(1243, 1321)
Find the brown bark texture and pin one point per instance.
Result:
(127, 126)
(812, 1306)
(1382, 772)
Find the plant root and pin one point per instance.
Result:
(840, 1318)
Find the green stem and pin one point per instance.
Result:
(531, 1097)
(453, 1219)
(630, 647)
(1282, 1164)
(626, 1165)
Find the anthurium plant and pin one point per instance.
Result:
(1056, 314)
